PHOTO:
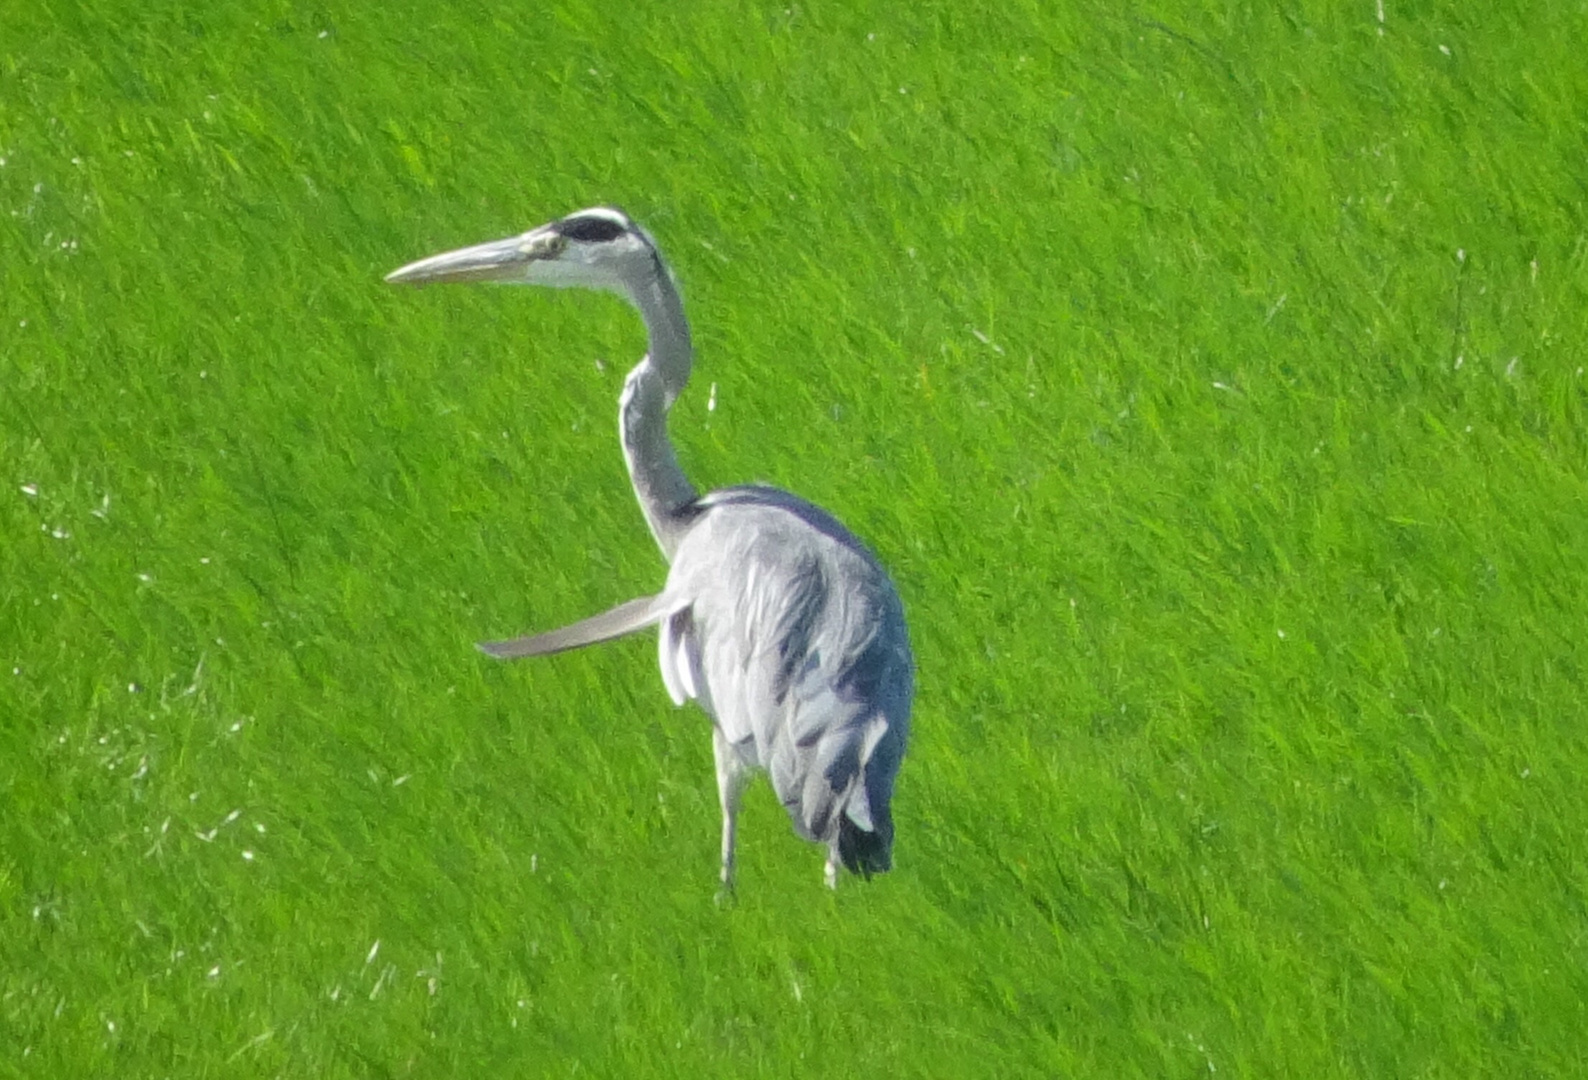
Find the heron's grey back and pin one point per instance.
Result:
(794, 640)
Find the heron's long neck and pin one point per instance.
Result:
(659, 483)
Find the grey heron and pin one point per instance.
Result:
(775, 619)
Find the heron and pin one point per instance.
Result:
(775, 619)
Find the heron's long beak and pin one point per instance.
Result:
(497, 260)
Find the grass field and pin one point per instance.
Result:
(1209, 375)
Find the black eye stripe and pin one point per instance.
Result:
(590, 230)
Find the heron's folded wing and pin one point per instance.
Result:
(679, 651)
(818, 759)
(626, 618)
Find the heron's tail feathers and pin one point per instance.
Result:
(865, 825)
(862, 851)
(624, 619)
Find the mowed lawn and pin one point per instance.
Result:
(1210, 377)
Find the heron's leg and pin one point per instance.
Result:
(830, 871)
(731, 776)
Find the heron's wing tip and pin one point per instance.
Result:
(626, 618)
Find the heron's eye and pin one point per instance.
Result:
(590, 229)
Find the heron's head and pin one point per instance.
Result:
(598, 248)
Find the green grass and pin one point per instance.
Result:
(1210, 376)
